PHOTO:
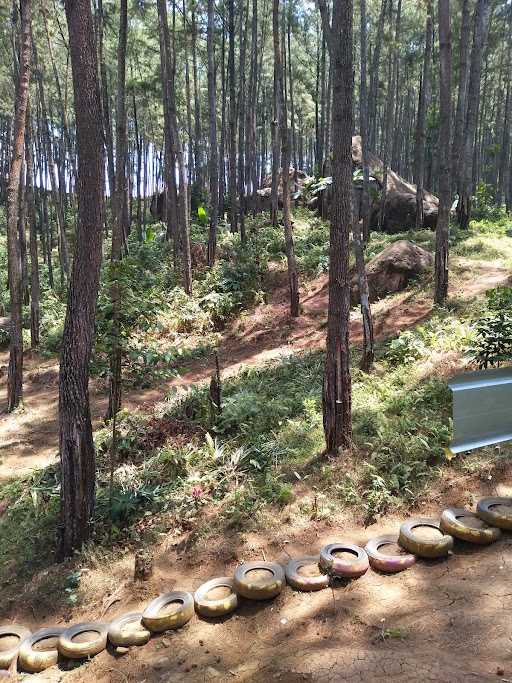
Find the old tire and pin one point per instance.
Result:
(424, 547)
(120, 636)
(390, 564)
(263, 590)
(79, 650)
(301, 582)
(20, 632)
(498, 518)
(215, 607)
(34, 661)
(452, 523)
(342, 567)
(157, 623)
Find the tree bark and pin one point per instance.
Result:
(118, 227)
(34, 263)
(106, 105)
(77, 455)
(15, 371)
(363, 106)
(445, 117)
(293, 280)
(466, 175)
(214, 157)
(337, 393)
(168, 69)
(233, 216)
(460, 115)
(423, 104)
(374, 78)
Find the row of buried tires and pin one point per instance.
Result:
(337, 560)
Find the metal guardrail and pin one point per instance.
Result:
(482, 409)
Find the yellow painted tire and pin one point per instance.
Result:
(157, 623)
(20, 632)
(498, 518)
(78, 650)
(302, 582)
(420, 546)
(34, 661)
(262, 590)
(120, 636)
(452, 523)
(208, 607)
(342, 567)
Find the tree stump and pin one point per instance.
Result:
(143, 566)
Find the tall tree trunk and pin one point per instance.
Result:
(139, 147)
(445, 119)
(466, 169)
(77, 455)
(244, 10)
(460, 115)
(504, 165)
(374, 78)
(293, 280)
(389, 116)
(34, 263)
(233, 216)
(118, 227)
(106, 105)
(52, 172)
(274, 190)
(222, 147)
(337, 383)
(198, 142)
(191, 143)
(363, 106)
(214, 159)
(423, 104)
(15, 371)
(168, 70)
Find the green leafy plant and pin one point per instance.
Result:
(499, 298)
(492, 344)
(406, 348)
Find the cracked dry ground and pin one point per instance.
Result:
(443, 621)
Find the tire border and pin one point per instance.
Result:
(450, 524)
(348, 569)
(484, 511)
(389, 564)
(35, 661)
(127, 639)
(262, 592)
(217, 607)
(424, 548)
(168, 622)
(71, 650)
(19, 631)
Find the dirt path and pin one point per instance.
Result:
(445, 621)
(29, 439)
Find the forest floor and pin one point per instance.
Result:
(29, 437)
(444, 621)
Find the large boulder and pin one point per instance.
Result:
(392, 269)
(400, 210)
(298, 180)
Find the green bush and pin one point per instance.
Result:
(499, 299)
(492, 344)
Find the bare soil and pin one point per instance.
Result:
(445, 621)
